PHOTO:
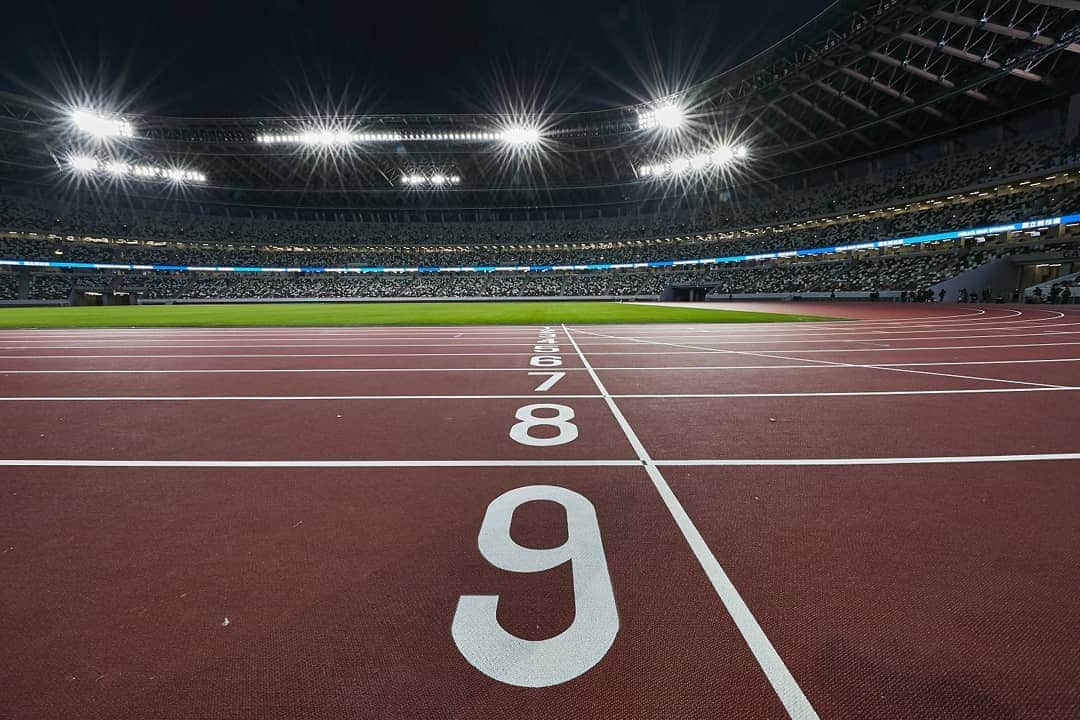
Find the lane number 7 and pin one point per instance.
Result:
(553, 377)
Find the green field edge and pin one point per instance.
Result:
(430, 314)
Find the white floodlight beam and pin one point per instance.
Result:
(117, 167)
(101, 126)
(722, 155)
(520, 136)
(85, 164)
(669, 116)
(82, 163)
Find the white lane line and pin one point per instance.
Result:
(241, 371)
(41, 462)
(852, 393)
(632, 396)
(940, 347)
(868, 342)
(258, 398)
(769, 354)
(938, 460)
(976, 362)
(973, 315)
(868, 334)
(725, 340)
(278, 329)
(120, 334)
(938, 363)
(63, 356)
(900, 325)
(783, 683)
(176, 345)
(818, 339)
(718, 462)
(703, 351)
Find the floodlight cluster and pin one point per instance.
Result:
(327, 138)
(435, 180)
(452, 136)
(101, 126)
(84, 164)
(667, 116)
(721, 156)
(520, 136)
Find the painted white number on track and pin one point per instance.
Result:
(553, 377)
(545, 361)
(566, 431)
(540, 663)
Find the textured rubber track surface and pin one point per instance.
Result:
(279, 523)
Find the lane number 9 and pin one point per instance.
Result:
(540, 663)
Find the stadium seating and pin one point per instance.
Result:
(924, 198)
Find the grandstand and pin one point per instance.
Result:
(855, 130)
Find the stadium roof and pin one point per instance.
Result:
(860, 78)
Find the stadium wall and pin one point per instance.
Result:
(1002, 277)
(258, 301)
(843, 295)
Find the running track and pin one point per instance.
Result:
(874, 518)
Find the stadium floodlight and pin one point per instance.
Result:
(434, 181)
(722, 155)
(117, 167)
(520, 136)
(82, 163)
(85, 164)
(669, 116)
(326, 137)
(181, 175)
(101, 126)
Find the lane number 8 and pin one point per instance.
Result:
(567, 431)
(540, 663)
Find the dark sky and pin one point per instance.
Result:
(295, 56)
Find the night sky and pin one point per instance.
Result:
(201, 58)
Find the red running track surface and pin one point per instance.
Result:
(865, 518)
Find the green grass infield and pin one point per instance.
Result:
(348, 314)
